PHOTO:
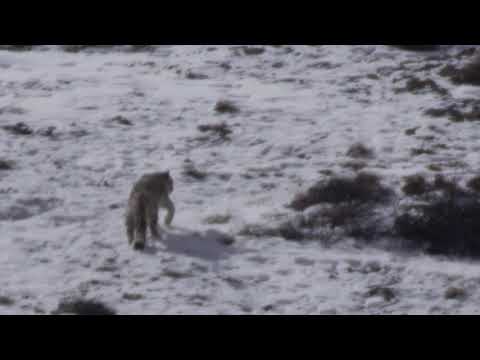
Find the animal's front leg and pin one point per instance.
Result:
(153, 221)
(141, 236)
(170, 211)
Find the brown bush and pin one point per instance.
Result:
(225, 106)
(6, 164)
(83, 307)
(365, 187)
(221, 129)
(415, 185)
(447, 224)
(359, 150)
(418, 48)
(474, 184)
(18, 129)
(469, 74)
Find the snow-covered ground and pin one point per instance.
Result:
(61, 206)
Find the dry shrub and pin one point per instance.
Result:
(226, 107)
(417, 48)
(415, 185)
(220, 129)
(468, 74)
(474, 184)
(359, 150)
(83, 307)
(364, 188)
(444, 224)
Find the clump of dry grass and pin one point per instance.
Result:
(18, 129)
(474, 184)
(468, 74)
(6, 165)
(445, 223)
(415, 185)
(364, 188)
(415, 85)
(83, 307)
(191, 171)
(221, 129)
(359, 150)
(226, 107)
(417, 48)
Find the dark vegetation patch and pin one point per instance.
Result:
(418, 185)
(287, 231)
(348, 204)
(220, 129)
(388, 294)
(417, 48)
(355, 165)
(121, 120)
(464, 110)
(468, 52)
(93, 48)
(49, 132)
(6, 301)
(444, 222)
(415, 185)
(177, 275)
(440, 216)
(357, 220)
(354, 219)
(83, 307)
(252, 50)
(78, 48)
(474, 184)
(6, 165)
(422, 151)
(191, 75)
(218, 219)
(290, 232)
(455, 293)
(435, 167)
(412, 131)
(141, 48)
(365, 187)
(16, 47)
(132, 296)
(442, 183)
(426, 138)
(226, 107)
(214, 134)
(79, 133)
(226, 66)
(415, 85)
(18, 129)
(278, 64)
(12, 110)
(469, 74)
(359, 150)
(326, 65)
(191, 171)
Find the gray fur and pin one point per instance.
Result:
(148, 194)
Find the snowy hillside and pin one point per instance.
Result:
(243, 131)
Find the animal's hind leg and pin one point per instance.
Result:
(153, 221)
(141, 233)
(130, 224)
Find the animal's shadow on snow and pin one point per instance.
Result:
(210, 245)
